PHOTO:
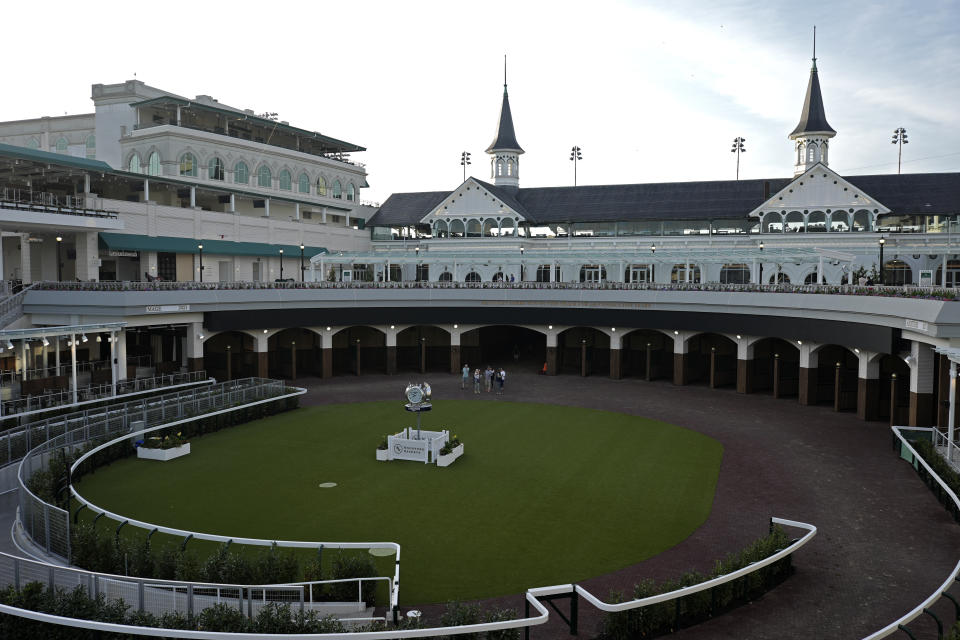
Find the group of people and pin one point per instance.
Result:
(492, 378)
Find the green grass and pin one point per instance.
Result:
(542, 495)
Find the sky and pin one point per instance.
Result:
(650, 91)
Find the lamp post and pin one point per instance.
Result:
(738, 148)
(281, 265)
(465, 162)
(576, 157)
(882, 242)
(301, 262)
(899, 139)
(200, 249)
(59, 264)
(521, 264)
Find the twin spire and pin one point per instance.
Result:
(813, 118)
(506, 139)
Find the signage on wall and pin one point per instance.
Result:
(116, 253)
(167, 308)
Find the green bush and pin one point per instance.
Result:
(353, 566)
(458, 614)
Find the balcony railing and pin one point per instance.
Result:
(42, 202)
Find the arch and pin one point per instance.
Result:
(489, 226)
(264, 177)
(472, 276)
(508, 227)
(811, 278)
(215, 169)
(440, 229)
(835, 385)
(188, 165)
(321, 186)
(779, 277)
(240, 360)
(457, 229)
(241, 172)
(953, 274)
(774, 368)
(294, 352)
(285, 180)
(711, 359)
(584, 351)
(497, 277)
(133, 163)
(154, 167)
(897, 272)
(423, 348)
(817, 222)
(893, 397)
(62, 145)
(359, 350)
(647, 354)
(544, 272)
(303, 183)
(771, 222)
(446, 276)
(337, 190)
(862, 221)
(506, 346)
(794, 222)
(33, 143)
(351, 192)
(735, 274)
(91, 146)
(474, 229)
(839, 221)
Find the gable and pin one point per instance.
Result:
(472, 199)
(819, 189)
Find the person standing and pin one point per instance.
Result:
(488, 378)
(502, 378)
(476, 381)
(466, 376)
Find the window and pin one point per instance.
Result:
(812, 278)
(680, 273)
(188, 165)
(167, 266)
(446, 276)
(337, 190)
(737, 274)
(215, 169)
(91, 146)
(543, 272)
(153, 164)
(303, 183)
(62, 145)
(473, 276)
(321, 186)
(285, 180)
(264, 177)
(134, 165)
(593, 273)
(241, 174)
(351, 191)
(423, 272)
(33, 143)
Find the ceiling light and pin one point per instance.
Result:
(99, 339)
(201, 336)
(84, 337)
(676, 333)
(328, 328)
(738, 336)
(799, 342)
(550, 327)
(264, 330)
(9, 344)
(46, 342)
(455, 326)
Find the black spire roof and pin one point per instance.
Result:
(506, 139)
(813, 119)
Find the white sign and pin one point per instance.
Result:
(926, 278)
(116, 253)
(404, 449)
(917, 324)
(167, 308)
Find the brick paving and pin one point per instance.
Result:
(884, 542)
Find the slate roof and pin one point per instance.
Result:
(927, 193)
(506, 139)
(812, 118)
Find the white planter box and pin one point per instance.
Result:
(447, 460)
(163, 455)
(383, 454)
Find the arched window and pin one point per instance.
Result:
(241, 174)
(188, 165)
(33, 143)
(811, 278)
(264, 177)
(321, 186)
(286, 180)
(91, 146)
(735, 274)
(337, 190)
(780, 278)
(134, 165)
(153, 165)
(473, 276)
(446, 276)
(62, 145)
(351, 191)
(303, 183)
(215, 168)
(474, 229)
(543, 272)
(440, 229)
(456, 229)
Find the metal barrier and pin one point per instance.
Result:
(11, 308)
(47, 525)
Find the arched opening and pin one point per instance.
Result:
(593, 273)
(712, 360)
(772, 222)
(893, 397)
(359, 350)
(490, 228)
(446, 276)
(423, 348)
(440, 229)
(473, 229)
(779, 277)
(497, 277)
(837, 371)
(293, 353)
(897, 272)
(639, 273)
(230, 355)
(811, 278)
(543, 272)
(456, 229)
(647, 355)
(508, 227)
(680, 273)
(735, 274)
(817, 222)
(503, 346)
(861, 221)
(472, 276)
(775, 368)
(584, 351)
(794, 222)
(839, 221)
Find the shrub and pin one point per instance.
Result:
(353, 566)
(458, 614)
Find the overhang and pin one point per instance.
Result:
(168, 244)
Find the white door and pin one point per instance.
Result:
(256, 272)
(226, 271)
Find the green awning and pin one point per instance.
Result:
(168, 244)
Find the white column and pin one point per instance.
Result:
(820, 270)
(87, 262)
(113, 363)
(24, 360)
(25, 274)
(146, 190)
(323, 215)
(921, 368)
(193, 197)
(296, 210)
(57, 355)
(233, 203)
(73, 365)
(952, 413)
(121, 340)
(943, 281)
(86, 184)
(266, 207)
(809, 359)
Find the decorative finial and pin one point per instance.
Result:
(814, 46)
(504, 74)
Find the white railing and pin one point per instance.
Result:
(11, 308)
(917, 611)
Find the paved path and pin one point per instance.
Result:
(884, 542)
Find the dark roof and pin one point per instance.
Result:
(813, 118)
(506, 139)
(47, 157)
(931, 193)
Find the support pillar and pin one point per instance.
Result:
(583, 357)
(194, 346)
(423, 355)
(680, 356)
(616, 341)
(647, 363)
(744, 366)
(943, 390)
(868, 387)
(893, 398)
(326, 353)
(776, 376)
(25, 267)
(713, 367)
(952, 414)
(73, 366)
(113, 362)
(455, 351)
(293, 361)
(88, 256)
(921, 385)
(121, 341)
(391, 352)
(551, 354)
(807, 387)
(261, 344)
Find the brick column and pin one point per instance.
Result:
(809, 360)
(868, 387)
(680, 347)
(455, 351)
(391, 351)
(922, 412)
(551, 353)
(744, 366)
(616, 342)
(261, 341)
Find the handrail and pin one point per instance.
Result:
(917, 611)
(11, 308)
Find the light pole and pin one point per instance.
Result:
(200, 249)
(576, 156)
(301, 262)
(465, 162)
(882, 242)
(281, 265)
(899, 139)
(59, 264)
(738, 149)
(521, 264)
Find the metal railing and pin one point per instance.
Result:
(41, 201)
(11, 308)
(33, 404)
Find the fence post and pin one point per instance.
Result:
(46, 524)
(190, 599)
(140, 596)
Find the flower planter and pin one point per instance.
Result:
(447, 460)
(383, 454)
(163, 455)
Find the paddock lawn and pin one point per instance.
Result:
(542, 495)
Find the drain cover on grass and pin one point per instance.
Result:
(327, 485)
